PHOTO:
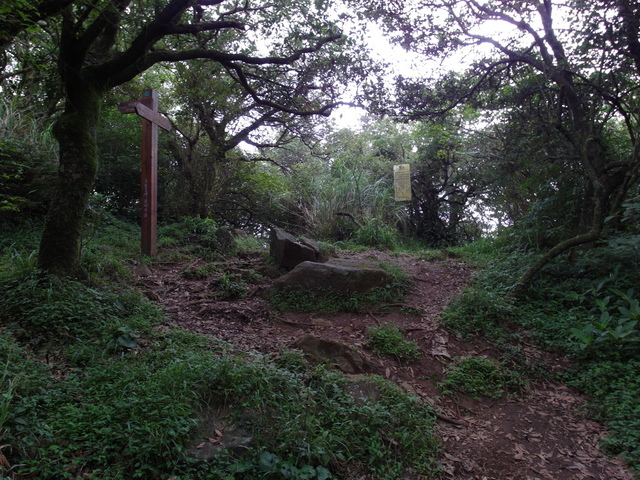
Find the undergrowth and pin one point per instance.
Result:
(480, 377)
(132, 414)
(614, 389)
(584, 306)
(92, 388)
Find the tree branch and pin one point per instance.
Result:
(244, 133)
(490, 71)
(204, 27)
(242, 79)
(134, 55)
(105, 25)
(137, 58)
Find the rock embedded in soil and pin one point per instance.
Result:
(324, 279)
(363, 391)
(344, 356)
(224, 239)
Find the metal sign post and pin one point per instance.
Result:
(147, 108)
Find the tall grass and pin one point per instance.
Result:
(21, 125)
(27, 158)
(342, 200)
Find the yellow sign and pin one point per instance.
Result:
(402, 182)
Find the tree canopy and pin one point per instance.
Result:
(571, 69)
(277, 53)
(519, 110)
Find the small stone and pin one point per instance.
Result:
(143, 271)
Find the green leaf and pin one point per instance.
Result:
(583, 336)
(128, 341)
(267, 461)
(323, 473)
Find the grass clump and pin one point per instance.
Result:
(292, 300)
(374, 233)
(129, 417)
(387, 340)
(330, 302)
(308, 420)
(480, 312)
(479, 377)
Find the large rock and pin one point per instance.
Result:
(327, 278)
(289, 252)
(345, 357)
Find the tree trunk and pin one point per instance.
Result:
(519, 288)
(75, 131)
(603, 183)
(601, 193)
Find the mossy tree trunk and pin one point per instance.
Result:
(75, 131)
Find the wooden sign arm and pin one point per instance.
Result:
(145, 112)
(152, 116)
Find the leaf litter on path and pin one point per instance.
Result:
(537, 435)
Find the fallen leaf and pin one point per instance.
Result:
(3, 460)
(440, 350)
(451, 457)
(520, 452)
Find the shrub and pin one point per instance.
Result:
(614, 330)
(25, 178)
(614, 388)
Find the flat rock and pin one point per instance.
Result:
(328, 279)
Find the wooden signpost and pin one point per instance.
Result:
(147, 108)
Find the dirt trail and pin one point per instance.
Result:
(537, 435)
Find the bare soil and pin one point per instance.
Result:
(539, 434)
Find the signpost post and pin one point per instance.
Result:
(147, 108)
